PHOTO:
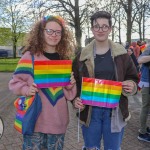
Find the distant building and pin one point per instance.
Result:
(9, 50)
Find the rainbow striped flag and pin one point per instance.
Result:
(102, 93)
(52, 73)
(143, 47)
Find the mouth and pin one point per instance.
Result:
(54, 40)
(101, 34)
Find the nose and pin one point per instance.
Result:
(54, 33)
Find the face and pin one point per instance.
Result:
(52, 34)
(129, 51)
(101, 29)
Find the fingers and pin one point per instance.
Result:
(33, 89)
(128, 86)
(72, 79)
(72, 82)
(78, 103)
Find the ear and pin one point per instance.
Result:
(110, 29)
(92, 30)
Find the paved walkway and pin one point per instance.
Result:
(12, 140)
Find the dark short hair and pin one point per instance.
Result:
(101, 14)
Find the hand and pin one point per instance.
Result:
(32, 89)
(72, 79)
(128, 86)
(72, 82)
(78, 103)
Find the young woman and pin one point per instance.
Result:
(49, 39)
(104, 59)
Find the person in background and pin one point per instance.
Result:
(136, 49)
(104, 59)
(127, 45)
(143, 47)
(130, 52)
(144, 84)
(49, 39)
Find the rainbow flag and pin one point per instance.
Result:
(52, 73)
(143, 47)
(102, 93)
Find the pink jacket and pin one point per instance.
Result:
(54, 117)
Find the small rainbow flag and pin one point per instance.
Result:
(102, 93)
(52, 73)
(143, 47)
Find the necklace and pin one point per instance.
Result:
(100, 55)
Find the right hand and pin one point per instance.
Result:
(32, 89)
(78, 103)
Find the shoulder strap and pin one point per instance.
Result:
(33, 64)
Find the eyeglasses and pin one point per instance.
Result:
(50, 32)
(104, 28)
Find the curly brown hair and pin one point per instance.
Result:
(35, 42)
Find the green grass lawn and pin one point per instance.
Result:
(8, 64)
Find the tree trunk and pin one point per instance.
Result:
(144, 23)
(129, 23)
(14, 46)
(78, 32)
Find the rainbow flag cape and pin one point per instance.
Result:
(52, 73)
(102, 93)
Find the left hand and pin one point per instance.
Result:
(128, 86)
(72, 82)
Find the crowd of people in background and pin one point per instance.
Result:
(135, 49)
(138, 47)
(140, 54)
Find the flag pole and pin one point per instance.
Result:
(79, 126)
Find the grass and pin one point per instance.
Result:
(8, 64)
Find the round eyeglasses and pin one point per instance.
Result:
(50, 32)
(103, 28)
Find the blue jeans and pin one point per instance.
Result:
(100, 127)
(40, 141)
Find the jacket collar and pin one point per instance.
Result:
(116, 50)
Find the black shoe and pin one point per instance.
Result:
(148, 130)
(144, 137)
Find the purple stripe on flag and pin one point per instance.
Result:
(100, 104)
(57, 84)
(19, 117)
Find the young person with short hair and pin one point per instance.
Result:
(104, 59)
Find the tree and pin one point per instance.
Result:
(75, 12)
(5, 36)
(142, 16)
(127, 5)
(12, 17)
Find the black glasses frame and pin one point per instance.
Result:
(97, 28)
(51, 31)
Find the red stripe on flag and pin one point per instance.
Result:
(53, 62)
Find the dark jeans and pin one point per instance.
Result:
(41, 141)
